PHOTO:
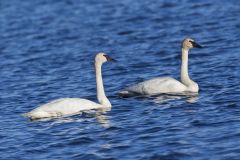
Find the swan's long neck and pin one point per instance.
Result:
(102, 99)
(184, 68)
(190, 84)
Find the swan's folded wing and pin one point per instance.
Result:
(63, 106)
(154, 86)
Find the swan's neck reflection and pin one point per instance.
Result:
(102, 118)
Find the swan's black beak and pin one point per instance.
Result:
(109, 59)
(196, 45)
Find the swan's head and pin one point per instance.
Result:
(190, 43)
(102, 58)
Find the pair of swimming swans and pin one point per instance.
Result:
(71, 106)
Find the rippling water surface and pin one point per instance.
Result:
(47, 49)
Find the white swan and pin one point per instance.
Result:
(167, 84)
(71, 106)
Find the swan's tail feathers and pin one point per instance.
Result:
(27, 115)
(125, 93)
(33, 115)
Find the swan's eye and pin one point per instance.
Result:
(106, 56)
(109, 58)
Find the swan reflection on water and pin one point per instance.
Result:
(166, 98)
(163, 98)
(103, 119)
(99, 114)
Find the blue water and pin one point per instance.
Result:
(46, 52)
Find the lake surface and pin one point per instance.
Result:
(47, 49)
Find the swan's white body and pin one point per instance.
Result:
(155, 86)
(166, 84)
(71, 106)
(63, 107)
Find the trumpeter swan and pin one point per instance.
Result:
(167, 84)
(71, 106)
